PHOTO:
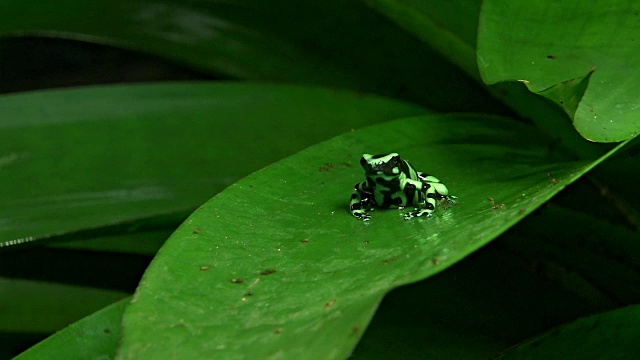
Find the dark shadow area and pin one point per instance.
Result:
(34, 63)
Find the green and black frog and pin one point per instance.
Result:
(393, 182)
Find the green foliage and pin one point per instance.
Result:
(96, 179)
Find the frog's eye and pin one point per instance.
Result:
(395, 161)
(363, 161)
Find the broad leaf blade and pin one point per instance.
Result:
(548, 43)
(86, 158)
(276, 264)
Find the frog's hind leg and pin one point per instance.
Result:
(429, 205)
(442, 193)
(427, 178)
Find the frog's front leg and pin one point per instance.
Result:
(362, 200)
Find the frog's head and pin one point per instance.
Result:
(384, 164)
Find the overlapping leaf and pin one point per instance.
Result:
(582, 56)
(452, 28)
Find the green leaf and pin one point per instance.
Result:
(549, 44)
(94, 337)
(450, 27)
(280, 267)
(611, 335)
(86, 158)
(329, 43)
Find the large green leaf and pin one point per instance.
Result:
(276, 266)
(94, 337)
(328, 43)
(85, 158)
(611, 335)
(581, 55)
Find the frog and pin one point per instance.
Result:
(393, 182)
